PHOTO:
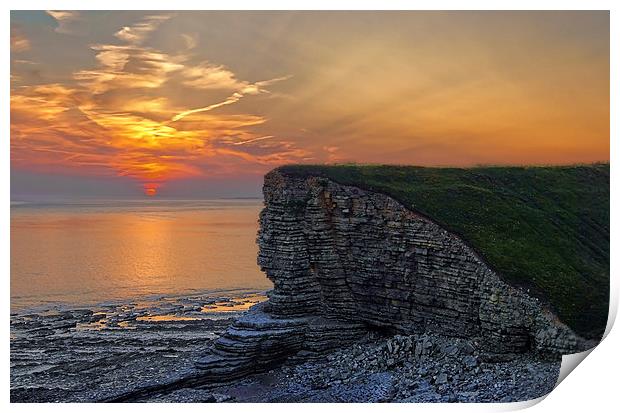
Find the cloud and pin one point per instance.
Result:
(128, 67)
(138, 33)
(49, 100)
(24, 62)
(19, 42)
(220, 122)
(332, 153)
(260, 138)
(244, 88)
(229, 101)
(256, 88)
(64, 19)
(218, 77)
(119, 116)
(190, 41)
(209, 76)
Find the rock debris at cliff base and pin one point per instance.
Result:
(389, 369)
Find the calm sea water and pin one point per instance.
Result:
(91, 252)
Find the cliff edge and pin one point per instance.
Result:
(345, 260)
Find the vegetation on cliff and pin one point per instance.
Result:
(542, 228)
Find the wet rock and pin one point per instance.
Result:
(450, 349)
(467, 348)
(442, 378)
(470, 362)
(217, 398)
(80, 358)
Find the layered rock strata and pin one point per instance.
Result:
(343, 259)
(258, 340)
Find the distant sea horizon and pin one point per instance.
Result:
(22, 200)
(87, 250)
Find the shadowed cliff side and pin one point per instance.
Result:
(542, 228)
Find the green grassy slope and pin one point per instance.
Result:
(543, 228)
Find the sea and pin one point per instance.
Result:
(79, 253)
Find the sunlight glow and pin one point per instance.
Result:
(195, 95)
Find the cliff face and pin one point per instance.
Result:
(343, 260)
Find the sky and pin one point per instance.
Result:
(202, 104)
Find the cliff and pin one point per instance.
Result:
(545, 229)
(344, 260)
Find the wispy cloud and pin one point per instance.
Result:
(332, 153)
(128, 67)
(64, 18)
(229, 101)
(260, 138)
(138, 33)
(191, 41)
(229, 82)
(210, 76)
(19, 42)
(258, 87)
(50, 100)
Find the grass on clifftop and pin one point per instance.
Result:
(543, 228)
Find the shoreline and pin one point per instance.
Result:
(145, 352)
(191, 294)
(92, 353)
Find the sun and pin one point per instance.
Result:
(150, 189)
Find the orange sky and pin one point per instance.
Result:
(158, 98)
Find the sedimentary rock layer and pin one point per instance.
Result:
(342, 258)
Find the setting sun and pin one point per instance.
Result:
(150, 189)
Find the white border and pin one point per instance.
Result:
(592, 387)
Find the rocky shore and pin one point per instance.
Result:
(95, 353)
(403, 369)
(147, 352)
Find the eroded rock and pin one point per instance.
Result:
(343, 259)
